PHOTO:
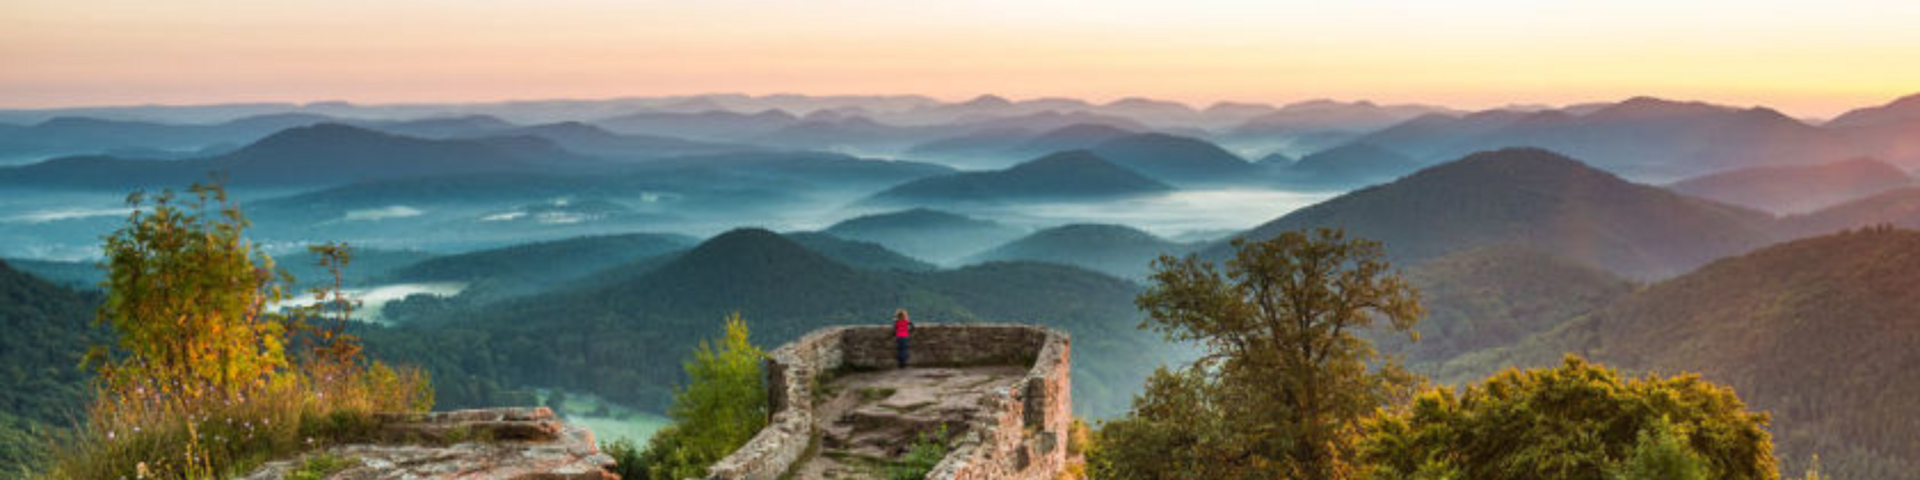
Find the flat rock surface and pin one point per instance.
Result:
(866, 418)
(521, 444)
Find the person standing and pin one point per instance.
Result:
(902, 328)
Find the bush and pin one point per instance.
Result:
(925, 453)
(205, 381)
(627, 461)
(1576, 422)
(722, 408)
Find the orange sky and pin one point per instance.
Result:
(1807, 58)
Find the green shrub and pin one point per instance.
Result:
(627, 461)
(926, 453)
(320, 466)
(722, 408)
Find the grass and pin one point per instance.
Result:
(319, 466)
(875, 394)
(926, 453)
(144, 430)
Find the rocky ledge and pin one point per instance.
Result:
(489, 444)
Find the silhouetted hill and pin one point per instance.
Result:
(1329, 115)
(1425, 136)
(926, 234)
(1647, 137)
(707, 185)
(1004, 146)
(986, 147)
(842, 134)
(1116, 250)
(366, 265)
(1079, 136)
(1817, 331)
(323, 154)
(1065, 176)
(1900, 208)
(1799, 188)
(707, 125)
(625, 339)
(1348, 165)
(77, 275)
(592, 140)
(1540, 200)
(1496, 296)
(1900, 111)
(42, 386)
(443, 127)
(859, 254)
(1175, 159)
(532, 267)
(82, 135)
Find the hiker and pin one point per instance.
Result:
(902, 328)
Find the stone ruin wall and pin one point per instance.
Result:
(1021, 436)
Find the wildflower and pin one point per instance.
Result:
(140, 470)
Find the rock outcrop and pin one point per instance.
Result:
(489, 444)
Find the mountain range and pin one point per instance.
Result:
(1077, 175)
(1540, 200)
(323, 154)
(1796, 188)
(1816, 331)
(624, 339)
(1116, 250)
(933, 235)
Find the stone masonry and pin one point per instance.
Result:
(1020, 435)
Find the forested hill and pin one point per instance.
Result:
(625, 338)
(42, 385)
(1540, 200)
(1820, 331)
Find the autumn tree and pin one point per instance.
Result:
(189, 297)
(212, 372)
(1284, 381)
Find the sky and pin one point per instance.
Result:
(1808, 58)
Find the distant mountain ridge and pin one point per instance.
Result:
(1067, 176)
(933, 235)
(315, 155)
(1175, 159)
(1116, 250)
(1537, 199)
(1816, 331)
(1797, 188)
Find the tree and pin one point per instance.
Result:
(1284, 381)
(208, 379)
(1661, 453)
(188, 296)
(1576, 422)
(723, 405)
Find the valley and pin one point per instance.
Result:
(538, 256)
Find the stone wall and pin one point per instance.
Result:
(1022, 437)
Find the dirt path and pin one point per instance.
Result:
(865, 419)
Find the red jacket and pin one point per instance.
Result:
(902, 328)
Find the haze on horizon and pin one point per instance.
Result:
(1804, 58)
